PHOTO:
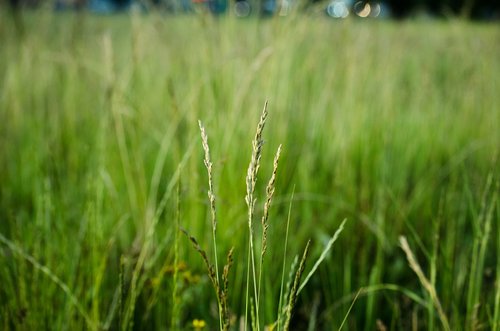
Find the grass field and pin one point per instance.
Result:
(394, 126)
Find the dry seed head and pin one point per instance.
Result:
(227, 267)
(293, 293)
(269, 196)
(293, 269)
(211, 270)
(226, 320)
(208, 165)
(254, 165)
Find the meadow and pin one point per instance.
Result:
(391, 126)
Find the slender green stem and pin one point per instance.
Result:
(284, 259)
(350, 308)
(247, 292)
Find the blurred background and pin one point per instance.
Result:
(389, 117)
(474, 9)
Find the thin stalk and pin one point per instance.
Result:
(433, 261)
(211, 197)
(175, 295)
(350, 308)
(412, 261)
(284, 259)
(323, 255)
(247, 291)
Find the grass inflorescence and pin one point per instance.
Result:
(221, 290)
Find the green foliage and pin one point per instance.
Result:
(394, 126)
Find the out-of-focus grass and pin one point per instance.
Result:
(394, 125)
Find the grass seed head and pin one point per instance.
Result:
(254, 165)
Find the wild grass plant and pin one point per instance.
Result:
(254, 268)
(392, 125)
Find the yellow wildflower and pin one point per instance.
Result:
(199, 324)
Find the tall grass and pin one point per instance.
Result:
(393, 125)
(254, 277)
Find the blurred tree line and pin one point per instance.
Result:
(465, 8)
(479, 9)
